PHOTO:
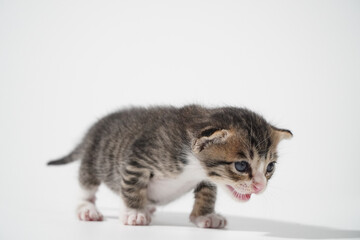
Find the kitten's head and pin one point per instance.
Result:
(238, 150)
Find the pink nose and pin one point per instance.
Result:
(258, 187)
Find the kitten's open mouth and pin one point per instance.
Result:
(240, 196)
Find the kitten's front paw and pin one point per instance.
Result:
(87, 212)
(211, 220)
(137, 217)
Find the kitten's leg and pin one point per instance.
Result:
(86, 210)
(134, 184)
(203, 214)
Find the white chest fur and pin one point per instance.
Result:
(165, 190)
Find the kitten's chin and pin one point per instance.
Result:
(242, 197)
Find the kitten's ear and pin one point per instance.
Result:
(281, 134)
(209, 136)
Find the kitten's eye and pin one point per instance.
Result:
(270, 167)
(241, 166)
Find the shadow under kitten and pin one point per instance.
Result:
(270, 228)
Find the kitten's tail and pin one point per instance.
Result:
(76, 154)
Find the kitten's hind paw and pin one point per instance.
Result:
(211, 220)
(137, 217)
(88, 212)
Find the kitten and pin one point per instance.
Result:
(151, 156)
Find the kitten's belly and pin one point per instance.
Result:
(164, 190)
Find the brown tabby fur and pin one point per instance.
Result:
(127, 149)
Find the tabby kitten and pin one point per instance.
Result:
(151, 156)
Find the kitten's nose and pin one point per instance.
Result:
(258, 187)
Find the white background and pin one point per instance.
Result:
(64, 64)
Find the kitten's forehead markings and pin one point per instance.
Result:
(254, 154)
(251, 154)
(241, 154)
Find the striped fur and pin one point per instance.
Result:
(133, 148)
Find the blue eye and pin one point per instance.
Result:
(241, 166)
(270, 167)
